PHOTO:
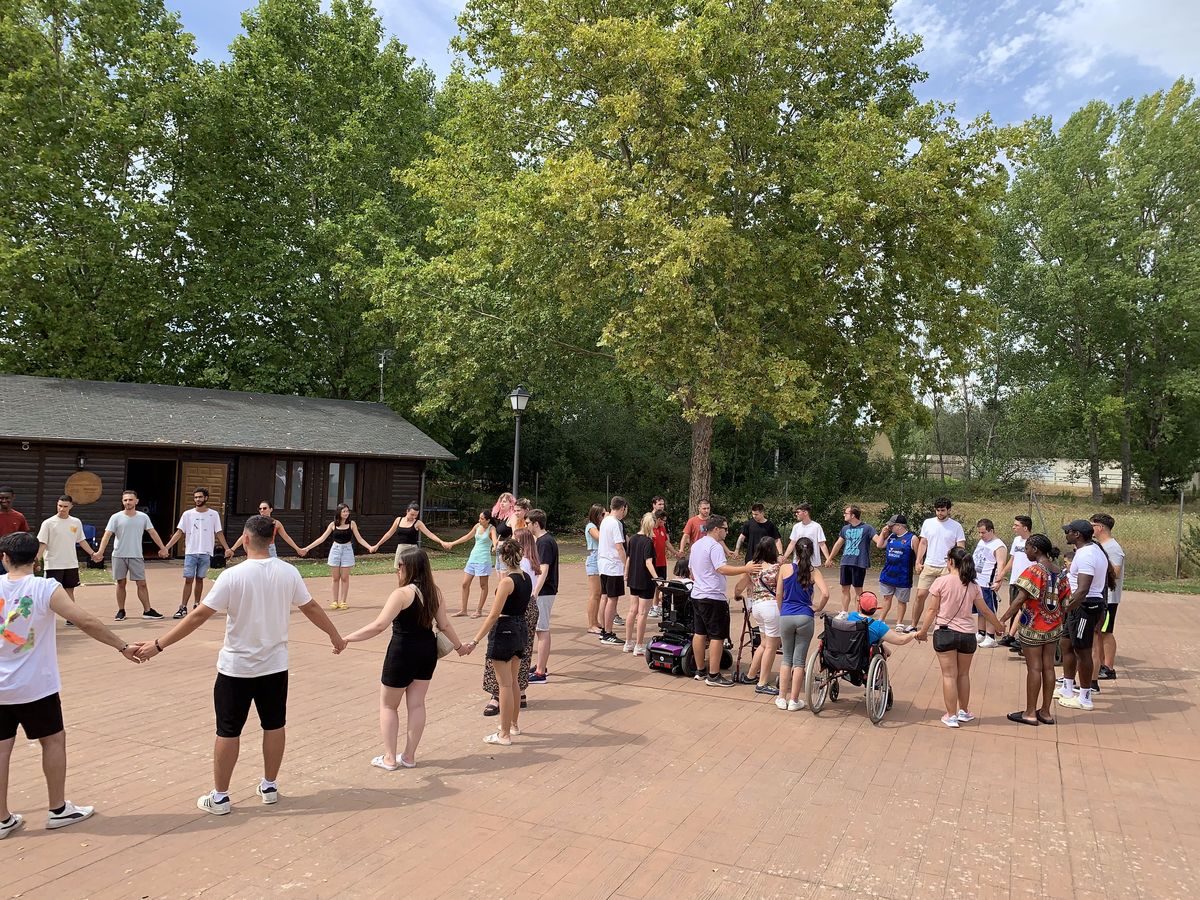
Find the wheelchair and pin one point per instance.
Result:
(843, 652)
(671, 650)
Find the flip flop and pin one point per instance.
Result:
(1019, 717)
(594, 631)
(1047, 720)
(457, 615)
(494, 738)
(476, 615)
(378, 763)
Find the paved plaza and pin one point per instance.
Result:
(625, 783)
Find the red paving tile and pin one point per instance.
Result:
(627, 783)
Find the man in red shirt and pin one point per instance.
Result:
(696, 526)
(11, 521)
(662, 546)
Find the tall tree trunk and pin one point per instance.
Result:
(701, 481)
(937, 435)
(1127, 428)
(966, 431)
(1094, 456)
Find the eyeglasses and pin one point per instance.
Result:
(263, 508)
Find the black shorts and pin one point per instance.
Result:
(612, 585)
(853, 576)
(947, 640)
(232, 698)
(507, 638)
(40, 718)
(68, 578)
(646, 593)
(710, 618)
(1013, 590)
(1110, 619)
(661, 571)
(1081, 624)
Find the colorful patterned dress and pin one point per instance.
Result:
(1041, 618)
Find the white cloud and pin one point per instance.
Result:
(941, 38)
(1036, 95)
(1160, 34)
(996, 58)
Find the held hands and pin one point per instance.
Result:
(339, 644)
(130, 652)
(145, 650)
(164, 553)
(98, 557)
(464, 650)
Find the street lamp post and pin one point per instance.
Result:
(518, 399)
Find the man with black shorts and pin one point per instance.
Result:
(258, 597)
(1088, 576)
(1105, 655)
(856, 536)
(710, 601)
(57, 539)
(29, 680)
(610, 558)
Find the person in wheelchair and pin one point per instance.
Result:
(878, 631)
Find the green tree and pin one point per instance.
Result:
(739, 205)
(90, 99)
(290, 197)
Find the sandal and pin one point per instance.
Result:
(595, 631)
(492, 709)
(458, 615)
(378, 763)
(1019, 717)
(524, 702)
(1046, 720)
(494, 738)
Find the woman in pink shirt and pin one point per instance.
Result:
(954, 599)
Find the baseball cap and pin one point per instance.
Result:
(867, 602)
(898, 520)
(1083, 526)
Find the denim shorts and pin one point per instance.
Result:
(341, 556)
(272, 552)
(195, 565)
(482, 569)
(592, 565)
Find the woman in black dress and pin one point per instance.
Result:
(506, 633)
(411, 656)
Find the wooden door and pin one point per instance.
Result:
(213, 476)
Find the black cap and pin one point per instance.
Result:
(898, 520)
(1083, 526)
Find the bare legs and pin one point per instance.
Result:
(610, 613)
(542, 645)
(593, 604)
(389, 719)
(225, 757)
(340, 589)
(765, 656)
(510, 694)
(1039, 679)
(143, 593)
(635, 624)
(956, 681)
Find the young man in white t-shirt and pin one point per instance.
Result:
(57, 538)
(610, 559)
(29, 679)
(257, 596)
(1105, 655)
(200, 527)
(806, 527)
(989, 558)
(939, 535)
(1014, 568)
(1088, 576)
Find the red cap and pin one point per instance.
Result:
(867, 603)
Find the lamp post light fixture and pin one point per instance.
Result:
(518, 399)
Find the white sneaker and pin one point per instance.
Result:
(628, 648)
(950, 721)
(655, 612)
(964, 716)
(781, 703)
(69, 815)
(987, 643)
(270, 795)
(15, 821)
(1085, 701)
(209, 804)
(1061, 694)
(639, 649)
(794, 705)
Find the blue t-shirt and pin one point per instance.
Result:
(875, 629)
(857, 549)
(899, 554)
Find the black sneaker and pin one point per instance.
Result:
(719, 681)
(1007, 641)
(701, 674)
(70, 624)
(617, 620)
(1095, 687)
(745, 679)
(180, 613)
(152, 613)
(1107, 673)
(609, 638)
(120, 615)
(767, 689)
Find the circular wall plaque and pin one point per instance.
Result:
(84, 488)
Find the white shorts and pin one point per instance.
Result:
(766, 613)
(545, 604)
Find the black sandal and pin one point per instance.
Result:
(524, 702)
(1048, 720)
(492, 709)
(1020, 718)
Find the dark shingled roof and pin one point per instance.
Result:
(105, 412)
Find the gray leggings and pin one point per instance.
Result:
(796, 632)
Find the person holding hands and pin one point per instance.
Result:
(252, 668)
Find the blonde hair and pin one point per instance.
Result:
(647, 525)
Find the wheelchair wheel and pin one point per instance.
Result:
(726, 660)
(834, 691)
(687, 663)
(816, 681)
(877, 688)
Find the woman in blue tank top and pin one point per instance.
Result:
(794, 591)
(479, 563)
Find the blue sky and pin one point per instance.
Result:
(1015, 58)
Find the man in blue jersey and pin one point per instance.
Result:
(899, 547)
